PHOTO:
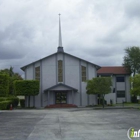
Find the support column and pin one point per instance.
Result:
(72, 98)
(48, 98)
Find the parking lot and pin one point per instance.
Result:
(68, 124)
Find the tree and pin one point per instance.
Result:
(26, 88)
(99, 85)
(136, 85)
(12, 77)
(132, 59)
(4, 85)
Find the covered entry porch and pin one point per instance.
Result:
(60, 95)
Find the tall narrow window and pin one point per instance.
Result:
(60, 71)
(83, 70)
(37, 73)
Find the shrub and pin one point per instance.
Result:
(5, 105)
(4, 85)
(14, 101)
(22, 103)
(2, 99)
(26, 87)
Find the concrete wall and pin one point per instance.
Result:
(110, 96)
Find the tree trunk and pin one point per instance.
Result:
(28, 101)
(103, 100)
(99, 100)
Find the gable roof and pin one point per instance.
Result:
(97, 66)
(60, 84)
(113, 70)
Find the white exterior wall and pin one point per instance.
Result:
(29, 75)
(120, 85)
(110, 96)
(124, 86)
(71, 75)
(48, 77)
(128, 95)
(37, 98)
(92, 99)
(48, 72)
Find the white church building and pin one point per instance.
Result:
(62, 79)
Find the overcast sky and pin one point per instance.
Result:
(95, 30)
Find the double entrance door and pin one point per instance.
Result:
(61, 97)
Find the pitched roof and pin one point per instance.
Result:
(113, 70)
(97, 66)
(60, 84)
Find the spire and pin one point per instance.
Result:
(60, 48)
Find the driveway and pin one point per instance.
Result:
(68, 124)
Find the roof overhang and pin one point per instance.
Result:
(60, 87)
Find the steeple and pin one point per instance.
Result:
(60, 48)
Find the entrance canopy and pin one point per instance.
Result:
(60, 87)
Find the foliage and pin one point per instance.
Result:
(26, 88)
(22, 103)
(5, 105)
(136, 85)
(4, 85)
(12, 100)
(132, 59)
(99, 86)
(2, 99)
(12, 77)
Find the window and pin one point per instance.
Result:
(37, 73)
(120, 94)
(60, 71)
(83, 69)
(119, 79)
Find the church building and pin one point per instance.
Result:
(62, 79)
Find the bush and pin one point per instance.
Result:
(22, 103)
(4, 85)
(5, 105)
(14, 101)
(2, 99)
(26, 87)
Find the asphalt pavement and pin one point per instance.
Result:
(68, 124)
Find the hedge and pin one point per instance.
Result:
(4, 85)
(12, 100)
(3, 99)
(26, 87)
(5, 105)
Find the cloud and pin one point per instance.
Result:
(132, 9)
(97, 31)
